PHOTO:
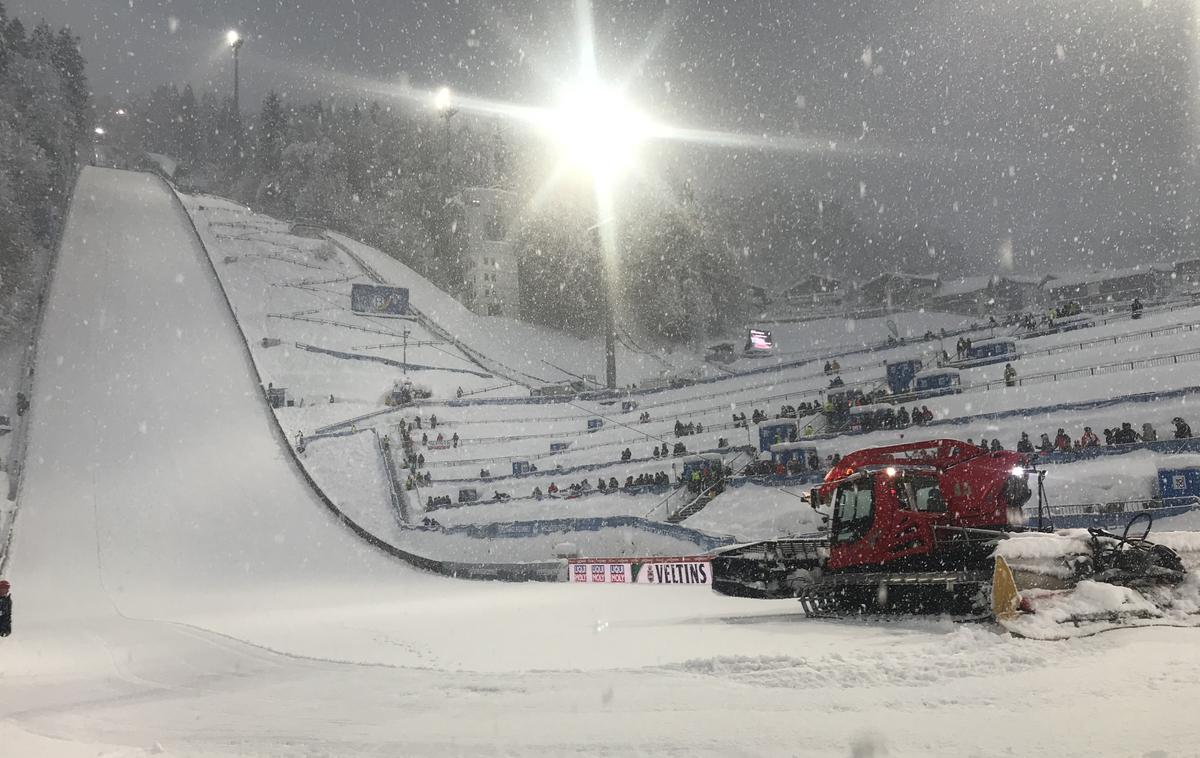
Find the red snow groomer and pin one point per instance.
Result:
(912, 527)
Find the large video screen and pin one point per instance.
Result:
(760, 340)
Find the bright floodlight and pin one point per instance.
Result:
(442, 99)
(232, 37)
(598, 128)
(99, 130)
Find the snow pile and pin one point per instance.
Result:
(754, 512)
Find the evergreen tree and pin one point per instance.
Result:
(272, 125)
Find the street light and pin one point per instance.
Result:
(235, 40)
(443, 103)
(597, 129)
(599, 132)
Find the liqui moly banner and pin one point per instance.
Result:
(692, 569)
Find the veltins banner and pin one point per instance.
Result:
(681, 570)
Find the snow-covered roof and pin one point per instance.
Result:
(1058, 281)
(891, 275)
(165, 162)
(785, 446)
(856, 410)
(963, 285)
(1022, 278)
(935, 372)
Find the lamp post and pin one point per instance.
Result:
(235, 40)
(443, 103)
(599, 132)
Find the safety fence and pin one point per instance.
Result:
(1112, 514)
(1141, 397)
(386, 361)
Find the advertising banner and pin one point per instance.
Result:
(371, 298)
(693, 569)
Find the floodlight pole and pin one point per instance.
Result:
(237, 45)
(406, 352)
(610, 340)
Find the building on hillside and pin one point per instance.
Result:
(1108, 286)
(896, 290)
(989, 295)
(813, 290)
(757, 296)
(489, 256)
(1187, 273)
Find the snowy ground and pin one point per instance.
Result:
(179, 592)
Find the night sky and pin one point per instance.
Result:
(1031, 119)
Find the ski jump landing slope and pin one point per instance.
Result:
(179, 592)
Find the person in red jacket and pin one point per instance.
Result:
(1062, 440)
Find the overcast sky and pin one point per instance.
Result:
(1040, 119)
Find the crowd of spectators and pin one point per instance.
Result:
(1124, 434)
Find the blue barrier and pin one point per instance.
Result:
(1167, 447)
(1112, 516)
(526, 529)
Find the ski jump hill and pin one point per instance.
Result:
(180, 590)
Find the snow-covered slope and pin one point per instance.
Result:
(178, 592)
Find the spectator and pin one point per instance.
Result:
(425, 439)
(902, 417)
(602, 485)
(626, 454)
(552, 489)
(828, 367)
(454, 439)
(420, 460)
(1024, 445)
(809, 430)
(1089, 438)
(1148, 433)
(1108, 436)
(656, 453)
(996, 446)
(1010, 375)
(663, 453)
(928, 414)
(432, 422)
(1182, 430)
(458, 392)
(537, 493)
(612, 483)
(1136, 308)
(1045, 445)
(1125, 435)
(1062, 440)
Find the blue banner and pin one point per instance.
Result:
(372, 298)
